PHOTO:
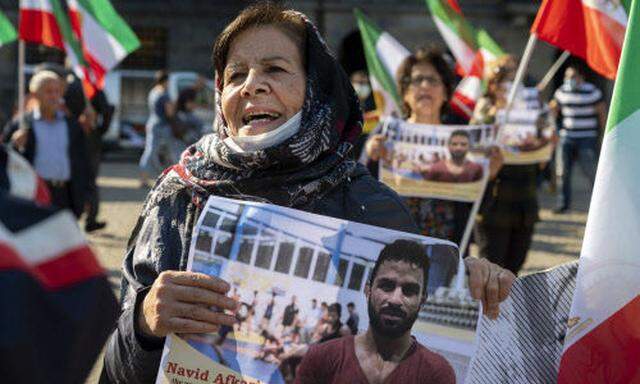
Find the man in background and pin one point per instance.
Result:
(580, 110)
(53, 143)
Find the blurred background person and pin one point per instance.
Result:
(158, 153)
(188, 127)
(509, 210)
(362, 86)
(103, 116)
(94, 116)
(53, 143)
(581, 113)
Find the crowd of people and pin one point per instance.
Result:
(288, 121)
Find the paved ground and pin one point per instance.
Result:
(557, 239)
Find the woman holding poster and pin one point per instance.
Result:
(425, 82)
(510, 207)
(288, 117)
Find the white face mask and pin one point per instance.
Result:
(362, 90)
(265, 140)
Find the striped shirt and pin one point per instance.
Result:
(578, 113)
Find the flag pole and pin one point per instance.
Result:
(552, 71)
(21, 84)
(472, 217)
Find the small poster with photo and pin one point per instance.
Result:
(526, 138)
(303, 279)
(447, 162)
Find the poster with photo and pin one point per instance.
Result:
(526, 138)
(290, 270)
(447, 162)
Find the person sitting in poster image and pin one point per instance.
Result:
(457, 168)
(288, 117)
(386, 352)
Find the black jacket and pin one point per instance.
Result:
(161, 242)
(77, 157)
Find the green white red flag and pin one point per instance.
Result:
(591, 29)
(602, 344)
(472, 87)
(383, 54)
(469, 90)
(105, 37)
(7, 32)
(456, 32)
(45, 22)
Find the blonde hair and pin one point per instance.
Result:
(40, 78)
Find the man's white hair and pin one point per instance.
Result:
(40, 78)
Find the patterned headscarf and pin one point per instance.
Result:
(298, 170)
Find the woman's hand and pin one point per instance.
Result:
(375, 147)
(496, 161)
(179, 302)
(488, 283)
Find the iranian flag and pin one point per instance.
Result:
(383, 54)
(456, 32)
(105, 37)
(591, 29)
(489, 50)
(469, 90)
(7, 32)
(472, 87)
(603, 340)
(45, 22)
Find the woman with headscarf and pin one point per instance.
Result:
(425, 82)
(287, 120)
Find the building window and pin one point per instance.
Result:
(342, 272)
(152, 53)
(322, 267)
(357, 273)
(304, 262)
(229, 224)
(223, 244)
(246, 248)
(203, 242)
(266, 247)
(285, 255)
(210, 219)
